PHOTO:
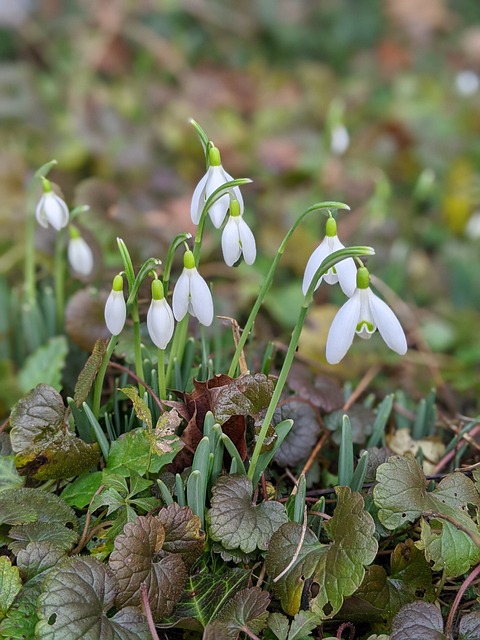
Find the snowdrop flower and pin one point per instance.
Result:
(339, 139)
(363, 313)
(80, 255)
(191, 294)
(160, 322)
(51, 209)
(237, 238)
(115, 307)
(343, 272)
(215, 177)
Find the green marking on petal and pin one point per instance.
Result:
(369, 326)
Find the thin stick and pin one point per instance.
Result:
(148, 611)
(363, 384)
(458, 597)
(83, 540)
(297, 550)
(312, 457)
(133, 375)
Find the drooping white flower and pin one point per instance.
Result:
(51, 209)
(80, 255)
(191, 294)
(339, 139)
(363, 313)
(215, 177)
(237, 238)
(115, 307)
(343, 272)
(160, 322)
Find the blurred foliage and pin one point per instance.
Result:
(107, 88)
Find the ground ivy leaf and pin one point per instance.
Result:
(246, 610)
(418, 620)
(44, 448)
(45, 365)
(140, 407)
(236, 522)
(217, 630)
(10, 584)
(386, 594)
(401, 493)
(80, 492)
(137, 558)
(448, 548)
(22, 615)
(38, 557)
(402, 496)
(22, 534)
(338, 567)
(89, 373)
(137, 451)
(75, 600)
(303, 435)
(279, 625)
(245, 396)
(205, 594)
(183, 532)
(302, 624)
(469, 628)
(18, 506)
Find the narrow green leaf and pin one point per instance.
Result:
(383, 413)
(345, 456)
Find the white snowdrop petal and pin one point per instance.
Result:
(40, 213)
(218, 210)
(55, 210)
(315, 260)
(347, 275)
(388, 325)
(181, 294)
(231, 242)
(115, 312)
(236, 191)
(201, 299)
(342, 329)
(160, 323)
(247, 239)
(80, 256)
(198, 200)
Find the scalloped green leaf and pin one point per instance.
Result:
(19, 506)
(236, 522)
(205, 594)
(137, 451)
(418, 620)
(138, 557)
(338, 567)
(75, 602)
(38, 557)
(245, 396)
(183, 532)
(22, 615)
(89, 373)
(23, 534)
(449, 549)
(10, 584)
(401, 496)
(246, 610)
(44, 365)
(45, 449)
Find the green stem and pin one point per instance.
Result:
(30, 288)
(162, 388)
(138, 346)
(327, 264)
(97, 393)
(178, 347)
(267, 283)
(59, 278)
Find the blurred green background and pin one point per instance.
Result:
(107, 88)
